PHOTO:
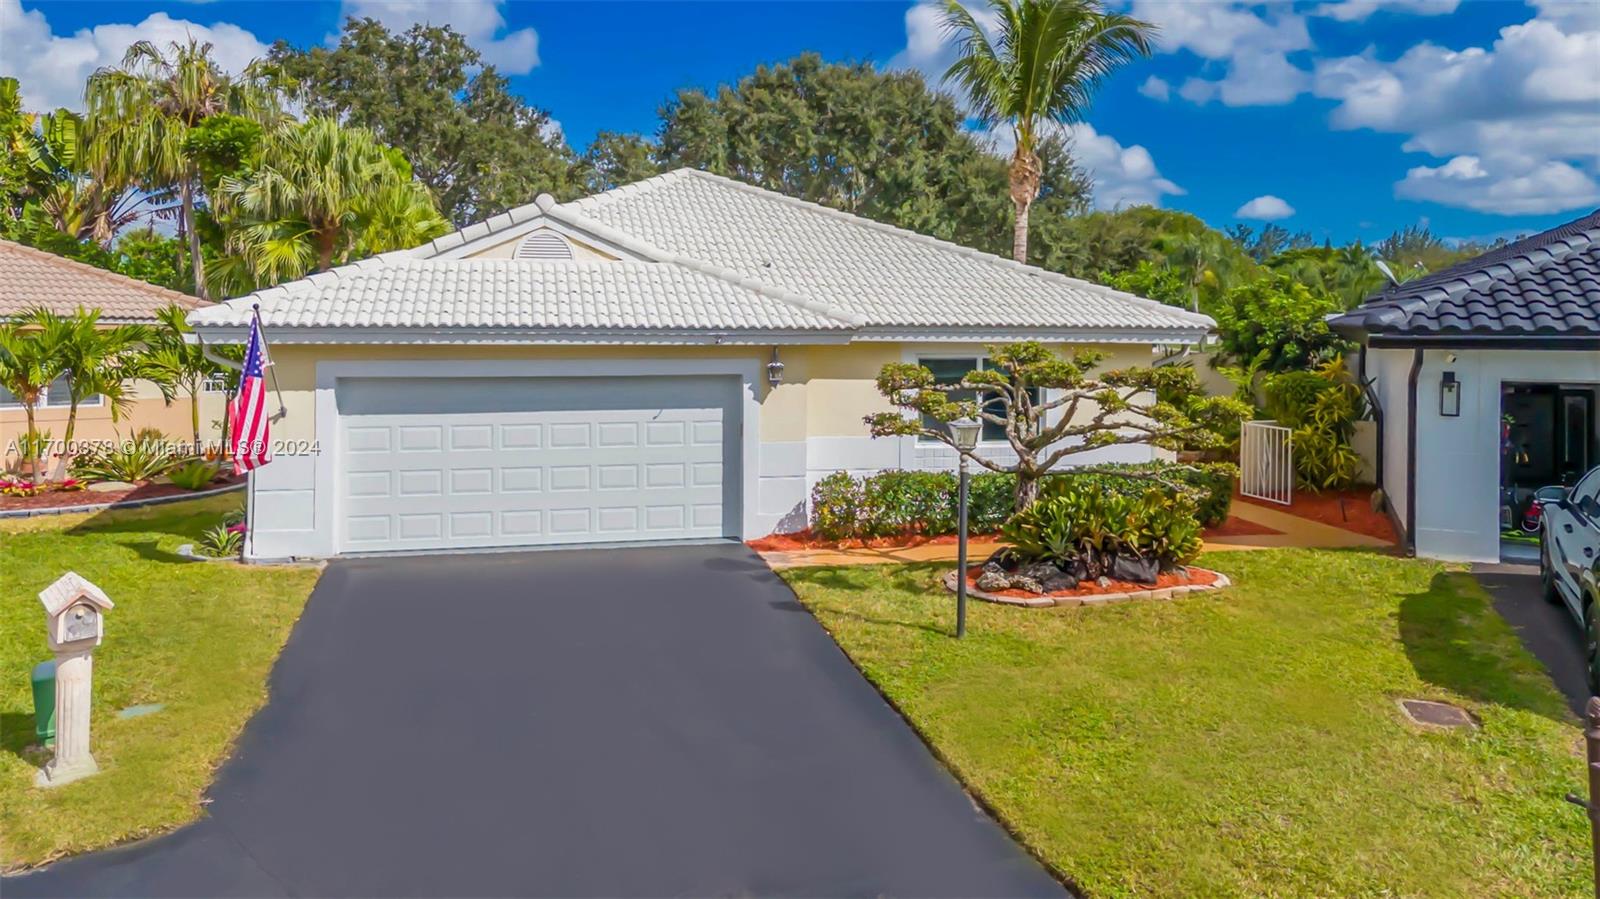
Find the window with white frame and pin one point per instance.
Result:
(220, 382)
(949, 370)
(56, 393)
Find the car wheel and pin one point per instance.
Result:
(1591, 648)
(1547, 574)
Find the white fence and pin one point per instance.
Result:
(1266, 461)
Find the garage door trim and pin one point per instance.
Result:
(329, 497)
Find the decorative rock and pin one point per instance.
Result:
(1102, 582)
(1002, 560)
(108, 486)
(1019, 582)
(993, 580)
(1039, 571)
(1059, 581)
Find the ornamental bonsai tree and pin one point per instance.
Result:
(1052, 407)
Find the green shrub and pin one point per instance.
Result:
(220, 542)
(1077, 522)
(195, 474)
(892, 503)
(142, 457)
(1289, 396)
(836, 507)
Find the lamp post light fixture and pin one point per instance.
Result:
(1449, 396)
(964, 433)
(775, 369)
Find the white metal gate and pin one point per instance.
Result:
(1266, 461)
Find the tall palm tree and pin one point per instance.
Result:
(319, 193)
(1043, 65)
(145, 108)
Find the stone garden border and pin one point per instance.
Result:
(1045, 601)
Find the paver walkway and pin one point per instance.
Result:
(1293, 531)
(640, 722)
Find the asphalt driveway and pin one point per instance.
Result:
(1548, 631)
(664, 721)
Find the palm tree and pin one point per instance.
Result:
(321, 192)
(78, 192)
(1044, 64)
(146, 107)
(29, 361)
(177, 366)
(97, 361)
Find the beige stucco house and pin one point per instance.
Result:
(678, 359)
(31, 279)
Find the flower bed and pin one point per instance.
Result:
(1167, 586)
(58, 499)
(807, 539)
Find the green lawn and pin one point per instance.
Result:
(199, 638)
(1247, 744)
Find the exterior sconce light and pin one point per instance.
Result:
(965, 431)
(1449, 396)
(775, 369)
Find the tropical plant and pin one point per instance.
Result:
(29, 361)
(1074, 524)
(142, 457)
(320, 192)
(68, 186)
(179, 367)
(1044, 64)
(97, 361)
(1278, 324)
(145, 108)
(220, 542)
(195, 474)
(1084, 411)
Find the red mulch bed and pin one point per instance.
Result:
(1238, 527)
(56, 499)
(806, 540)
(1323, 508)
(1198, 577)
(1233, 527)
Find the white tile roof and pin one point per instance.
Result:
(714, 255)
(890, 276)
(397, 290)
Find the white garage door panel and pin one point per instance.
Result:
(436, 479)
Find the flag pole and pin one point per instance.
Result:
(282, 409)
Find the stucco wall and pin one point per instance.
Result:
(1458, 458)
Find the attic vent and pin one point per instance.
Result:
(544, 245)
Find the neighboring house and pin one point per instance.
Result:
(681, 358)
(1485, 379)
(30, 279)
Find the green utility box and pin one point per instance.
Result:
(44, 703)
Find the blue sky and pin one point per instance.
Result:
(1346, 118)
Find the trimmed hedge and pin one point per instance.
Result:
(893, 503)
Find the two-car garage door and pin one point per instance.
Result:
(456, 463)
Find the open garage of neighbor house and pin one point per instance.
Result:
(1484, 378)
(682, 358)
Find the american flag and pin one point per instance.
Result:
(248, 427)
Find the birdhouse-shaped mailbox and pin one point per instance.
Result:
(74, 612)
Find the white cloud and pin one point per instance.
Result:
(52, 68)
(1266, 208)
(479, 21)
(1518, 122)
(1360, 10)
(1156, 89)
(1251, 44)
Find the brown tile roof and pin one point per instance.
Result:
(31, 278)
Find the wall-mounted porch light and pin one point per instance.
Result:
(775, 369)
(1449, 396)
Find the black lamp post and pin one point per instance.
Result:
(964, 432)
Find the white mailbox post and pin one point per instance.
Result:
(74, 614)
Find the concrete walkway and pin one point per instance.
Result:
(1293, 531)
